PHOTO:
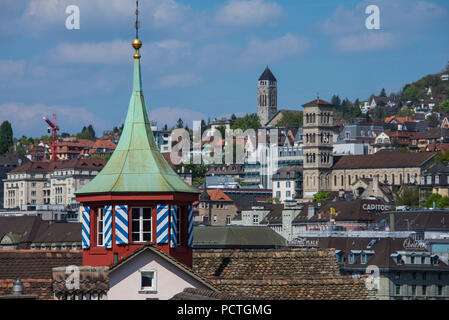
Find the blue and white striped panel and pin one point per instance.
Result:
(190, 230)
(107, 227)
(121, 224)
(85, 227)
(162, 224)
(173, 227)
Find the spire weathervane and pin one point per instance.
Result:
(137, 19)
(137, 44)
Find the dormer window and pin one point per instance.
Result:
(340, 256)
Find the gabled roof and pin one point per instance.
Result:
(237, 237)
(155, 250)
(287, 273)
(267, 75)
(46, 166)
(136, 164)
(317, 102)
(383, 160)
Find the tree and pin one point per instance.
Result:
(203, 126)
(413, 93)
(438, 200)
(233, 117)
(443, 106)
(336, 102)
(407, 196)
(378, 114)
(357, 112)
(250, 121)
(321, 196)
(6, 139)
(222, 130)
(290, 119)
(442, 157)
(179, 123)
(433, 120)
(86, 133)
(383, 93)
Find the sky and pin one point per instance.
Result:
(202, 59)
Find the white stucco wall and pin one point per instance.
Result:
(125, 281)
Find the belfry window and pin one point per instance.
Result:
(141, 224)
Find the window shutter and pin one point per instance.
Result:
(173, 227)
(107, 227)
(121, 224)
(85, 227)
(190, 230)
(162, 224)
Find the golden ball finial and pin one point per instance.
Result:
(137, 44)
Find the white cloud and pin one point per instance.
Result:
(365, 42)
(170, 115)
(248, 13)
(97, 53)
(179, 80)
(27, 119)
(347, 27)
(395, 16)
(40, 15)
(259, 51)
(10, 67)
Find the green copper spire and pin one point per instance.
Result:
(136, 164)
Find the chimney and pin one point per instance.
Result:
(310, 211)
(392, 223)
(376, 185)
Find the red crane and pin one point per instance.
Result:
(54, 136)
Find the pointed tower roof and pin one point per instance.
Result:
(136, 164)
(267, 75)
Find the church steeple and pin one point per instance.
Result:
(266, 96)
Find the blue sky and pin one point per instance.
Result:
(202, 59)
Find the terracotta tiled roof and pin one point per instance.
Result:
(278, 274)
(100, 143)
(202, 294)
(40, 288)
(317, 101)
(34, 268)
(383, 160)
(92, 279)
(217, 195)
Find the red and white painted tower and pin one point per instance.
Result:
(137, 198)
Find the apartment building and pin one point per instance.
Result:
(40, 183)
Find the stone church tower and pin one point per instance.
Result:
(317, 147)
(267, 97)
